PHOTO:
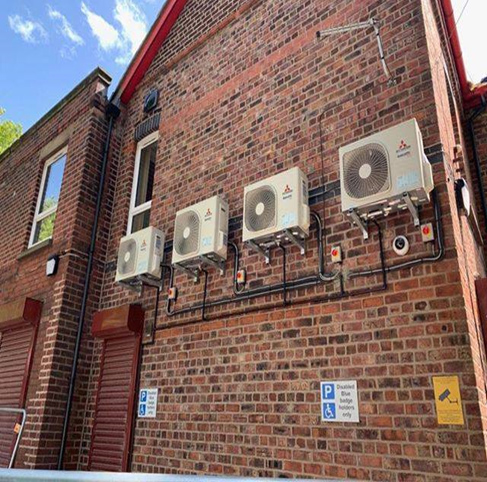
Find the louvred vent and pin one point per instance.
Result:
(260, 209)
(187, 233)
(127, 257)
(366, 171)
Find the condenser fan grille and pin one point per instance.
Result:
(187, 233)
(366, 171)
(127, 257)
(260, 209)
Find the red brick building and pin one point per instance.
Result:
(247, 90)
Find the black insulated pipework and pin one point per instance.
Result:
(112, 112)
(478, 168)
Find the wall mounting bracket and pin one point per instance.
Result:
(264, 252)
(359, 222)
(412, 208)
(219, 265)
(192, 273)
(296, 241)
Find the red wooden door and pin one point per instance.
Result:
(16, 348)
(112, 428)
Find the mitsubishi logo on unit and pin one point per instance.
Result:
(288, 192)
(404, 149)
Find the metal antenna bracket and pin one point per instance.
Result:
(371, 23)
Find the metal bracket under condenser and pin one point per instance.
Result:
(296, 241)
(262, 251)
(412, 208)
(359, 222)
(195, 274)
(135, 286)
(219, 265)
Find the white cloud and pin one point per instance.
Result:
(30, 30)
(68, 52)
(106, 34)
(134, 28)
(126, 40)
(65, 27)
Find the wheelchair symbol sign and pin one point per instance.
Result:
(329, 411)
(142, 410)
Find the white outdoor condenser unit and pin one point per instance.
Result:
(276, 209)
(385, 172)
(201, 234)
(140, 255)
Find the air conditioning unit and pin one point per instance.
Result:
(201, 234)
(385, 172)
(276, 210)
(140, 256)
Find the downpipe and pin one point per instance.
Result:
(113, 112)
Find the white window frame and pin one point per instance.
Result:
(133, 211)
(38, 217)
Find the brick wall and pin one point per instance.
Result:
(480, 128)
(240, 100)
(78, 121)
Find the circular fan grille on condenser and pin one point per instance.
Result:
(187, 233)
(127, 257)
(260, 209)
(366, 171)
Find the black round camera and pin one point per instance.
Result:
(401, 245)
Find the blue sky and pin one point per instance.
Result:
(49, 46)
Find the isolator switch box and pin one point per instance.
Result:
(427, 233)
(241, 277)
(336, 254)
(172, 294)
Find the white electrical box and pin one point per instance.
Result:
(201, 234)
(277, 209)
(385, 172)
(140, 256)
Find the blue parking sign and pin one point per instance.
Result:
(143, 396)
(328, 391)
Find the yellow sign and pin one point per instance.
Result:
(448, 400)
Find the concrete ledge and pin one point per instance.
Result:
(34, 249)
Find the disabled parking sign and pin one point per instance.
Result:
(339, 401)
(148, 403)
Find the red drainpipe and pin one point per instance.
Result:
(471, 98)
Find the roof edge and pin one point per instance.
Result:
(472, 96)
(97, 72)
(147, 51)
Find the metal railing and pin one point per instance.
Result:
(59, 476)
(22, 412)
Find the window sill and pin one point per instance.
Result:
(35, 248)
